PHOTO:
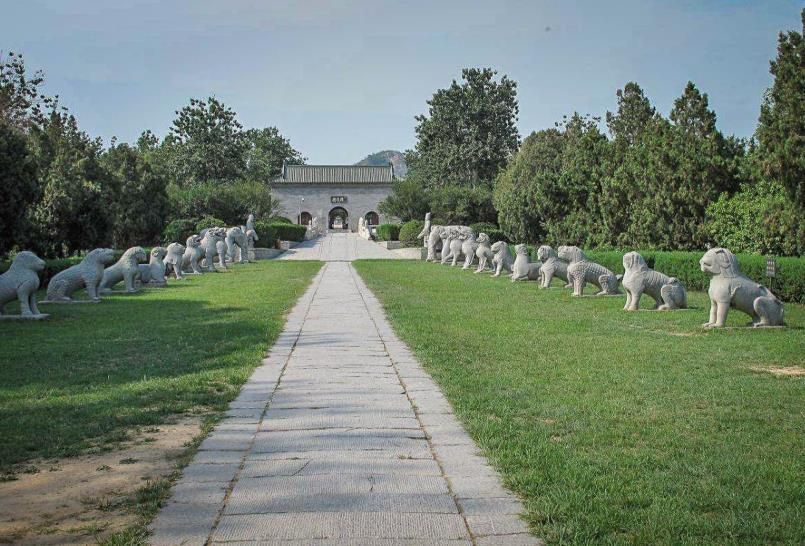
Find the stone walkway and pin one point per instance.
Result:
(339, 437)
(338, 247)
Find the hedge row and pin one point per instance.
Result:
(409, 231)
(288, 232)
(389, 232)
(51, 267)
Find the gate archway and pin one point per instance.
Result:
(305, 218)
(372, 218)
(339, 218)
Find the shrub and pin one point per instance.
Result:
(388, 232)
(232, 201)
(289, 232)
(266, 233)
(208, 222)
(482, 227)
(496, 235)
(179, 230)
(409, 231)
(51, 267)
(279, 220)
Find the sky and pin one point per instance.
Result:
(346, 78)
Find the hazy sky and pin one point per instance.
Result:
(345, 78)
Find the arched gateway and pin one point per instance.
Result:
(339, 218)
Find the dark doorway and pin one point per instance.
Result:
(372, 218)
(305, 219)
(339, 218)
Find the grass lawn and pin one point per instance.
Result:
(84, 377)
(615, 427)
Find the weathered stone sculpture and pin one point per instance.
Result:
(251, 237)
(192, 255)
(452, 244)
(21, 281)
(731, 288)
(580, 271)
(249, 222)
(523, 269)
(668, 292)
(502, 258)
(173, 260)
(220, 251)
(88, 274)
(440, 238)
(425, 233)
(126, 269)
(468, 248)
(236, 245)
(153, 273)
(484, 252)
(551, 266)
(209, 246)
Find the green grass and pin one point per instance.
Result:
(82, 379)
(615, 427)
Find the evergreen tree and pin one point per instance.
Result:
(20, 187)
(266, 151)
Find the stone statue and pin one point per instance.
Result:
(21, 281)
(452, 243)
(438, 233)
(87, 274)
(236, 245)
(209, 246)
(173, 260)
(192, 255)
(249, 222)
(251, 237)
(153, 273)
(126, 269)
(502, 258)
(551, 265)
(731, 288)
(484, 252)
(220, 251)
(523, 269)
(468, 248)
(668, 292)
(425, 233)
(580, 271)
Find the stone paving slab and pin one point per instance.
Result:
(340, 438)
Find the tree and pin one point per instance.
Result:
(20, 187)
(407, 201)
(140, 201)
(22, 105)
(208, 143)
(781, 129)
(266, 151)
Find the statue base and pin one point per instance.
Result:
(68, 302)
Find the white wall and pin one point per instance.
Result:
(361, 198)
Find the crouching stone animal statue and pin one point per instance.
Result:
(551, 266)
(153, 273)
(21, 281)
(453, 238)
(484, 252)
(192, 255)
(209, 247)
(731, 288)
(502, 258)
(236, 245)
(581, 270)
(88, 274)
(668, 292)
(468, 248)
(173, 260)
(523, 269)
(126, 269)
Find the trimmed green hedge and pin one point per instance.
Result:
(51, 267)
(388, 232)
(409, 231)
(789, 285)
(178, 230)
(279, 220)
(266, 233)
(288, 232)
(483, 227)
(209, 222)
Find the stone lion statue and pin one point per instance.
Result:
(87, 274)
(173, 260)
(251, 237)
(731, 288)
(502, 258)
(21, 281)
(236, 245)
(468, 249)
(153, 273)
(667, 292)
(192, 255)
(551, 266)
(580, 271)
(484, 252)
(126, 269)
(452, 242)
(523, 269)
(209, 247)
(436, 241)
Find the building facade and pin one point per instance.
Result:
(335, 194)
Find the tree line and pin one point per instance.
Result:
(647, 181)
(64, 192)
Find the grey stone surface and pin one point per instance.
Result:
(339, 247)
(87, 274)
(339, 437)
(21, 282)
(667, 292)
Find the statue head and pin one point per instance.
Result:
(135, 253)
(28, 260)
(193, 241)
(158, 253)
(720, 261)
(500, 246)
(544, 252)
(483, 238)
(571, 254)
(521, 250)
(632, 261)
(104, 256)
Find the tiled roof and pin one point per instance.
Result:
(335, 174)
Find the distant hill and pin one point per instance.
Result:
(384, 158)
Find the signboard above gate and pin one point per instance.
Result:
(338, 199)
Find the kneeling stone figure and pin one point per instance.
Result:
(173, 260)
(87, 274)
(523, 269)
(731, 288)
(21, 281)
(668, 292)
(153, 273)
(484, 252)
(503, 258)
(126, 269)
(581, 270)
(551, 266)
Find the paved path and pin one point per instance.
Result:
(341, 438)
(339, 247)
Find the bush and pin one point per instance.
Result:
(496, 235)
(266, 233)
(409, 231)
(388, 232)
(51, 267)
(231, 201)
(279, 220)
(482, 227)
(208, 222)
(178, 230)
(289, 232)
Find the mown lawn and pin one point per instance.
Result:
(615, 427)
(84, 377)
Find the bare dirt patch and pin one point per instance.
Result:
(789, 371)
(83, 499)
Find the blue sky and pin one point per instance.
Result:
(345, 78)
